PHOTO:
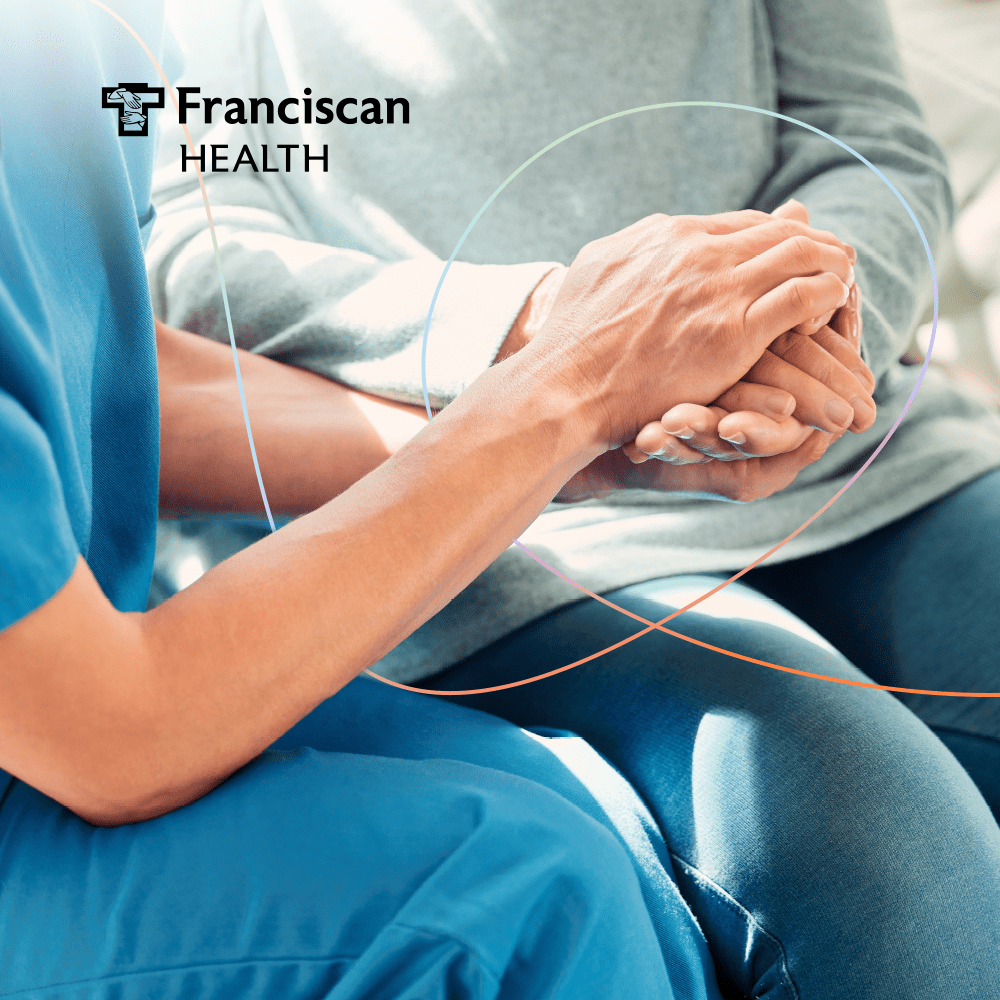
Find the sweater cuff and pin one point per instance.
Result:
(474, 312)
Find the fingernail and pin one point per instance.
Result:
(738, 438)
(844, 296)
(850, 277)
(839, 412)
(861, 405)
(852, 255)
(777, 403)
(684, 433)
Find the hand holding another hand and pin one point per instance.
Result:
(800, 394)
(676, 309)
(800, 384)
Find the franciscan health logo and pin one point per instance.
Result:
(133, 101)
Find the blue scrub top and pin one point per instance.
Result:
(79, 413)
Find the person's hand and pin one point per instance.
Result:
(755, 417)
(760, 416)
(742, 481)
(757, 422)
(680, 308)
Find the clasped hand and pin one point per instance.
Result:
(807, 388)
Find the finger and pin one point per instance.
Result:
(792, 209)
(726, 223)
(846, 354)
(796, 256)
(807, 329)
(634, 454)
(656, 443)
(697, 427)
(792, 302)
(752, 241)
(757, 436)
(772, 402)
(816, 405)
(812, 358)
(847, 322)
(756, 477)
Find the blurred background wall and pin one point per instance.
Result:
(951, 53)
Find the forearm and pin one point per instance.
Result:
(313, 437)
(220, 670)
(126, 716)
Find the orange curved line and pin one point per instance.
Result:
(651, 625)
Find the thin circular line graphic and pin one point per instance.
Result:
(660, 624)
(650, 625)
(215, 245)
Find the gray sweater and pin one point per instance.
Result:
(334, 271)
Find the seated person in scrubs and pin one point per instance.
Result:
(205, 798)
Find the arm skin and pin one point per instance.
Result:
(122, 717)
(314, 437)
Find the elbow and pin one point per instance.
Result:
(121, 807)
(123, 810)
(105, 803)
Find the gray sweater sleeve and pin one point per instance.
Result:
(838, 70)
(340, 312)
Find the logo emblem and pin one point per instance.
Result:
(133, 101)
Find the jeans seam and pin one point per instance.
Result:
(735, 905)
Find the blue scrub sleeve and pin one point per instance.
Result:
(37, 546)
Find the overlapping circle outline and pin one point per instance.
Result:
(650, 626)
(659, 626)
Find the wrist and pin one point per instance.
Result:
(530, 396)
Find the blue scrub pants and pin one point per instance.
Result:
(390, 845)
(823, 838)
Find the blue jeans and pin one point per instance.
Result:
(824, 836)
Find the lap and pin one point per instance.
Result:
(804, 817)
(917, 604)
(386, 866)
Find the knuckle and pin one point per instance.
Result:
(802, 249)
(747, 218)
(799, 294)
(789, 229)
(685, 225)
(826, 370)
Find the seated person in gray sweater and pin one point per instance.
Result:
(334, 270)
